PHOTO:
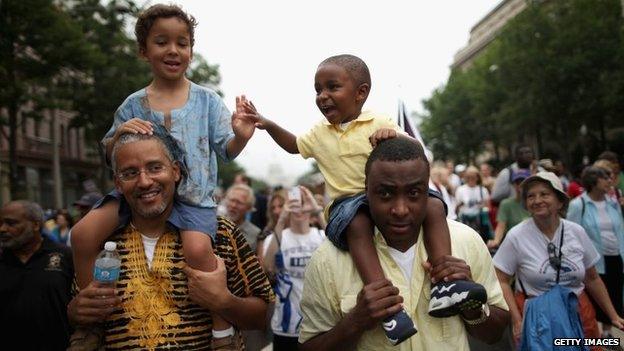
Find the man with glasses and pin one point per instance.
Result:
(157, 299)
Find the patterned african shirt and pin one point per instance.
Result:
(156, 313)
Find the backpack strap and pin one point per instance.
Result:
(522, 287)
(560, 261)
(582, 207)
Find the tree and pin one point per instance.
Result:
(553, 68)
(36, 62)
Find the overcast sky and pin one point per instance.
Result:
(269, 50)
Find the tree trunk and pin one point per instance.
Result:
(56, 160)
(603, 134)
(539, 146)
(13, 176)
(103, 169)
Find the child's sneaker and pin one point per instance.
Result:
(450, 298)
(399, 327)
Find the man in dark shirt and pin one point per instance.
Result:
(35, 282)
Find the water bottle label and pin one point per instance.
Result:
(106, 275)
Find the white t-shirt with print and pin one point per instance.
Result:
(296, 251)
(471, 198)
(524, 254)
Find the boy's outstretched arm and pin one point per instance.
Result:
(285, 139)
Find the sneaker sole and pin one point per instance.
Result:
(448, 306)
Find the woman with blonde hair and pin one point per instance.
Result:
(274, 209)
(288, 251)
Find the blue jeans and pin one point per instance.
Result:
(344, 209)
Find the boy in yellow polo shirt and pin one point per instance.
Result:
(341, 145)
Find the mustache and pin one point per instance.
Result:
(139, 193)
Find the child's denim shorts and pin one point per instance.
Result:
(183, 216)
(342, 212)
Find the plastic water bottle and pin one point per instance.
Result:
(107, 265)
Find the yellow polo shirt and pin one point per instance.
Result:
(332, 284)
(341, 154)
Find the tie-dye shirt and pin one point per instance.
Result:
(203, 127)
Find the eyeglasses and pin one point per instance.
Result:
(554, 261)
(131, 174)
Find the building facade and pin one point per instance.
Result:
(482, 34)
(79, 161)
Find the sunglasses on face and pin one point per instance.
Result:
(553, 259)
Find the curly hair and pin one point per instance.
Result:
(173, 150)
(147, 18)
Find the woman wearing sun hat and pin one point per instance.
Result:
(545, 250)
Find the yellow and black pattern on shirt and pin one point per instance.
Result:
(245, 276)
(156, 312)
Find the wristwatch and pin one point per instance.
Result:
(485, 313)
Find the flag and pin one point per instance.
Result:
(405, 122)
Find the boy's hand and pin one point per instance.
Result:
(448, 268)
(259, 121)
(382, 134)
(242, 121)
(134, 126)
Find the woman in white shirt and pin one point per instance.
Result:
(287, 254)
(545, 248)
(472, 199)
(601, 217)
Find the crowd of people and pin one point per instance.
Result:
(384, 248)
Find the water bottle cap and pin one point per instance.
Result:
(110, 246)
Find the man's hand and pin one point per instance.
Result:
(209, 289)
(382, 134)
(375, 302)
(242, 120)
(93, 304)
(134, 126)
(448, 268)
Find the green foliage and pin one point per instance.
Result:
(42, 53)
(76, 56)
(554, 67)
(227, 171)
